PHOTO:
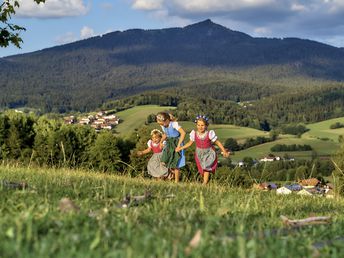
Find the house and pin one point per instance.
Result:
(69, 120)
(84, 121)
(270, 158)
(240, 164)
(294, 187)
(305, 192)
(309, 182)
(283, 190)
(265, 186)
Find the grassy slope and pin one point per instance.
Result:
(233, 222)
(135, 117)
(315, 137)
(322, 130)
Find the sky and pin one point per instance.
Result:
(63, 21)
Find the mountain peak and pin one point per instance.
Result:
(206, 24)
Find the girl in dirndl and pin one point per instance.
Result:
(155, 167)
(174, 136)
(205, 155)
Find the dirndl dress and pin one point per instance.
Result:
(170, 157)
(205, 155)
(155, 167)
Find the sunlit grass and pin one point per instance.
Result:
(234, 222)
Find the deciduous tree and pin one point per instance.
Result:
(9, 32)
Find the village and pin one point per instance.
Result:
(100, 121)
(305, 187)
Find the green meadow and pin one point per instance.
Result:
(322, 130)
(180, 220)
(323, 140)
(135, 117)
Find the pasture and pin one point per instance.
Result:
(136, 117)
(323, 140)
(322, 130)
(222, 221)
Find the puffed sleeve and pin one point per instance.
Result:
(175, 125)
(149, 144)
(212, 136)
(192, 135)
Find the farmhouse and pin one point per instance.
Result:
(270, 158)
(283, 190)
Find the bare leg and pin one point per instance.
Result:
(176, 175)
(206, 177)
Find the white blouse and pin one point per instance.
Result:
(154, 144)
(212, 135)
(174, 124)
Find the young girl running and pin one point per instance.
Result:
(174, 136)
(205, 155)
(155, 167)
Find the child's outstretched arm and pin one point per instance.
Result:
(140, 153)
(225, 153)
(187, 145)
(182, 136)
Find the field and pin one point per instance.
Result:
(224, 221)
(135, 117)
(323, 140)
(322, 130)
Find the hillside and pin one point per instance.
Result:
(92, 222)
(85, 74)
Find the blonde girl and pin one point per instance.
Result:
(155, 167)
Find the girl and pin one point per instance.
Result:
(155, 167)
(205, 155)
(174, 136)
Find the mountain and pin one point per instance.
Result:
(84, 74)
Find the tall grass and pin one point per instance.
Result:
(233, 222)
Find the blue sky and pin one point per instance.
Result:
(62, 21)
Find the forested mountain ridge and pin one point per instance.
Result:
(84, 74)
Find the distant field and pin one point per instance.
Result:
(322, 148)
(322, 130)
(323, 140)
(135, 117)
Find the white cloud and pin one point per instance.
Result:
(217, 5)
(86, 32)
(51, 8)
(147, 5)
(66, 38)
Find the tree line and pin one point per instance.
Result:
(47, 141)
